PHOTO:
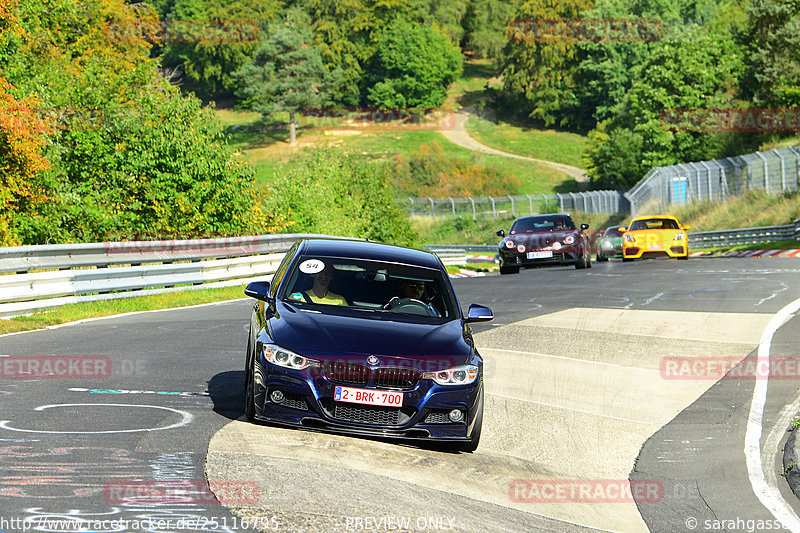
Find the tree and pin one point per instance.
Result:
(412, 67)
(209, 64)
(337, 194)
(287, 74)
(485, 26)
(773, 58)
(22, 139)
(540, 71)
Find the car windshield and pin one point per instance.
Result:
(543, 223)
(388, 288)
(613, 232)
(654, 223)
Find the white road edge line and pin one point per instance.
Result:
(768, 495)
(118, 315)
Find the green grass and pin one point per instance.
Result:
(79, 311)
(773, 245)
(469, 88)
(752, 209)
(550, 145)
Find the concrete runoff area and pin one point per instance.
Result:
(570, 399)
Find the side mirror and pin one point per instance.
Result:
(622, 230)
(584, 227)
(501, 233)
(479, 313)
(258, 290)
(687, 228)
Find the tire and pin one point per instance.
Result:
(249, 399)
(475, 437)
(627, 259)
(684, 257)
(589, 260)
(249, 388)
(508, 270)
(601, 257)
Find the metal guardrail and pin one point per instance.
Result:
(493, 206)
(53, 275)
(735, 237)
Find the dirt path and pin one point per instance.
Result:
(457, 134)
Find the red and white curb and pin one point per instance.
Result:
(764, 253)
(467, 274)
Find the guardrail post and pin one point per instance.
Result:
(797, 155)
(494, 209)
(766, 171)
(530, 202)
(546, 202)
(560, 201)
(453, 205)
(433, 209)
(513, 211)
(412, 206)
(474, 218)
(783, 170)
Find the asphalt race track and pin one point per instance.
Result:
(598, 417)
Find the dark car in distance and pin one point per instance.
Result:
(363, 338)
(609, 243)
(540, 240)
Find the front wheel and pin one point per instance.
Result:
(684, 257)
(601, 257)
(627, 259)
(475, 437)
(250, 399)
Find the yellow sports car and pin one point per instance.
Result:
(654, 236)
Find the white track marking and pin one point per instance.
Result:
(769, 496)
(186, 418)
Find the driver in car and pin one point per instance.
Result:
(412, 292)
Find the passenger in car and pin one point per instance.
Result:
(319, 292)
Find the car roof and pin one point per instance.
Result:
(543, 215)
(369, 250)
(670, 217)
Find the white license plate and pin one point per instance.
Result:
(368, 397)
(654, 247)
(540, 255)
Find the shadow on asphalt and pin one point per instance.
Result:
(226, 390)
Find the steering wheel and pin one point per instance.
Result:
(409, 305)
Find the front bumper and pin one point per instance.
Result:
(562, 257)
(309, 404)
(636, 251)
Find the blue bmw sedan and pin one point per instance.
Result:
(366, 339)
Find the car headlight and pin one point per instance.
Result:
(509, 244)
(629, 238)
(286, 358)
(607, 244)
(521, 248)
(679, 236)
(569, 239)
(459, 375)
(556, 245)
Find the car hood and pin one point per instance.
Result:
(655, 235)
(540, 239)
(324, 336)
